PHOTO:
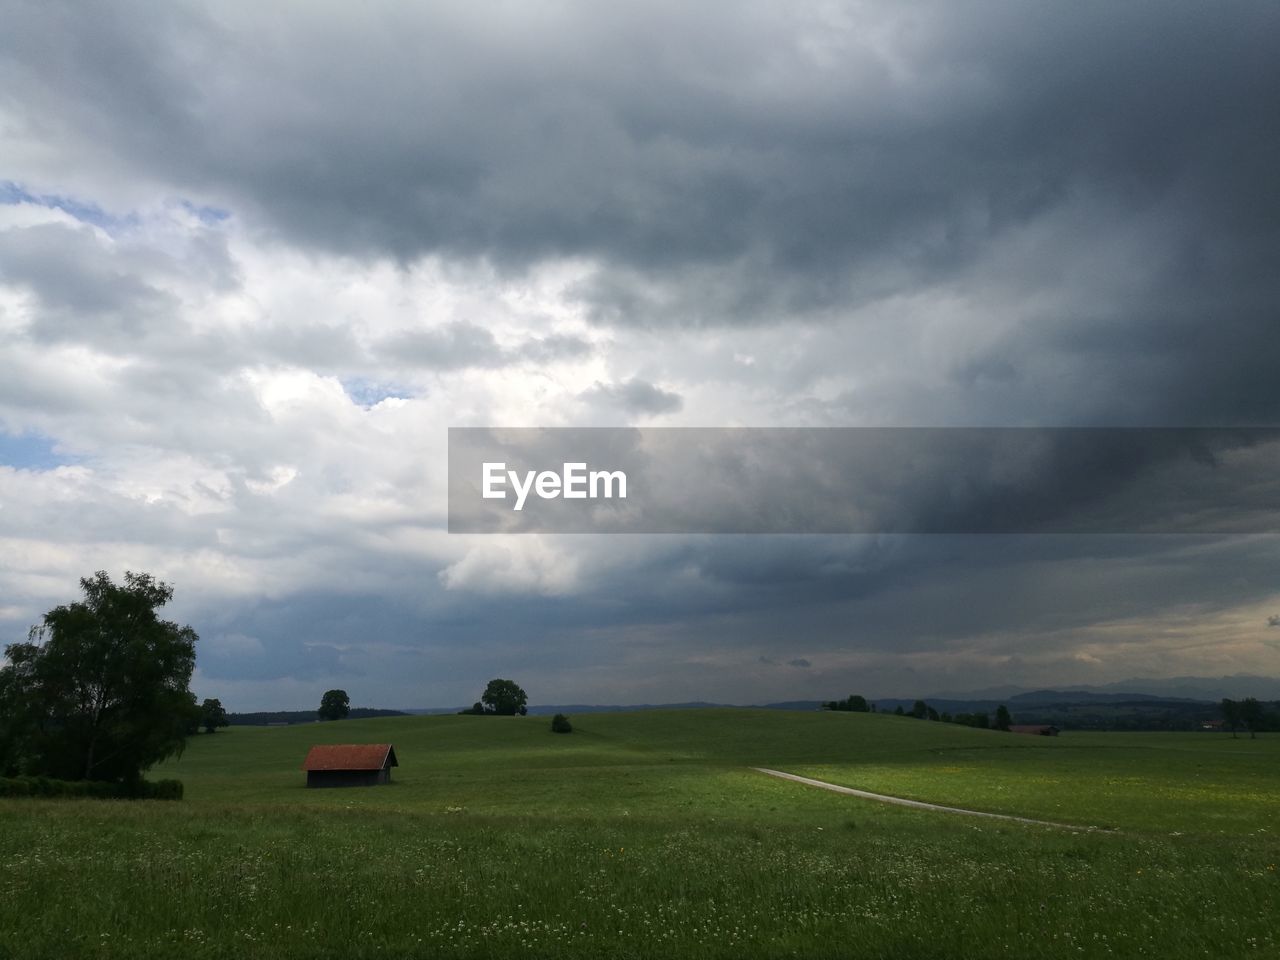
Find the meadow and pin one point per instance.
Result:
(648, 835)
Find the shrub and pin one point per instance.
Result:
(15, 787)
(166, 790)
(560, 724)
(96, 789)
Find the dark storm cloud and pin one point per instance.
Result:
(660, 135)
(833, 597)
(931, 595)
(744, 164)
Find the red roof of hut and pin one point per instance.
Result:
(350, 756)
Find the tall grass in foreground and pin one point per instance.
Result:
(114, 879)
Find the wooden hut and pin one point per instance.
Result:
(349, 764)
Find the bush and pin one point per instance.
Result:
(165, 789)
(560, 724)
(95, 789)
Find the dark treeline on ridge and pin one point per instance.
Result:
(263, 718)
(1072, 711)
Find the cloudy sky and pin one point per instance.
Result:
(255, 259)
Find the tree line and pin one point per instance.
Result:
(856, 703)
(1250, 714)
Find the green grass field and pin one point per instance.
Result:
(647, 835)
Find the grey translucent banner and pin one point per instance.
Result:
(864, 480)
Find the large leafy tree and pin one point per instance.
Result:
(1252, 715)
(213, 715)
(504, 697)
(1233, 714)
(334, 705)
(100, 689)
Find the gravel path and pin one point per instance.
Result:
(917, 804)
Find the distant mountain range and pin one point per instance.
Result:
(1236, 687)
(1185, 690)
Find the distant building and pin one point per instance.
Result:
(1035, 729)
(350, 764)
(1213, 724)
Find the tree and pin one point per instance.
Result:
(334, 705)
(919, 709)
(505, 698)
(100, 689)
(560, 724)
(1251, 714)
(854, 704)
(1232, 714)
(212, 715)
(1003, 719)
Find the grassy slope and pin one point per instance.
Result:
(645, 834)
(647, 762)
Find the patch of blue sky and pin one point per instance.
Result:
(369, 393)
(90, 213)
(209, 216)
(32, 451)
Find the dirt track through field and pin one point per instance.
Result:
(917, 804)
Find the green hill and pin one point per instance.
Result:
(645, 762)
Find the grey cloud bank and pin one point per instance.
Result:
(255, 262)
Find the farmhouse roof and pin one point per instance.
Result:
(350, 756)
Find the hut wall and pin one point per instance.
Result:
(347, 778)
